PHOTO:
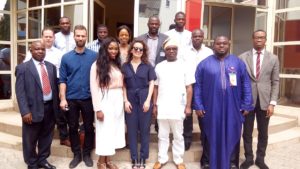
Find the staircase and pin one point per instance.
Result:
(284, 129)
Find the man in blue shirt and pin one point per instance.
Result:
(75, 95)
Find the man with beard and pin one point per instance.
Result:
(102, 33)
(154, 41)
(75, 95)
(64, 39)
(222, 96)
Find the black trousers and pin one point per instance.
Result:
(87, 113)
(234, 159)
(188, 129)
(61, 122)
(40, 135)
(262, 127)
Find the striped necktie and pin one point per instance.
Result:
(258, 64)
(45, 80)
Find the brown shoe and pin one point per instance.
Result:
(181, 166)
(65, 142)
(158, 165)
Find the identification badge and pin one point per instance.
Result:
(162, 54)
(232, 79)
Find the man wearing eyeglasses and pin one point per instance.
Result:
(263, 70)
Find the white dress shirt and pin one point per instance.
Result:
(53, 55)
(183, 38)
(64, 43)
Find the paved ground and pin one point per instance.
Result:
(280, 158)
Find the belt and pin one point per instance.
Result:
(47, 102)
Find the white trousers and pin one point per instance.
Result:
(176, 127)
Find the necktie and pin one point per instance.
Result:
(45, 80)
(258, 64)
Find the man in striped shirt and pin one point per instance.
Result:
(102, 33)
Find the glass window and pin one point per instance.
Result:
(52, 1)
(34, 26)
(281, 4)
(21, 52)
(52, 16)
(21, 24)
(257, 2)
(33, 3)
(5, 57)
(289, 57)
(290, 92)
(72, 12)
(6, 5)
(221, 21)
(5, 27)
(261, 21)
(165, 9)
(206, 21)
(5, 86)
(287, 26)
(21, 4)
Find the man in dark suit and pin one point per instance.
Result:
(263, 69)
(154, 41)
(37, 95)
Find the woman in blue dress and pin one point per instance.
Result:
(139, 79)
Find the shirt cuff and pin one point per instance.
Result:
(273, 102)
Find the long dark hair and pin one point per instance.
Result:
(144, 57)
(104, 63)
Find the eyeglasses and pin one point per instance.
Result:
(138, 49)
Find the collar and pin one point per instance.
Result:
(85, 50)
(193, 49)
(255, 51)
(148, 36)
(37, 63)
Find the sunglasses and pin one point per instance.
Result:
(138, 49)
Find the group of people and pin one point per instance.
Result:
(115, 84)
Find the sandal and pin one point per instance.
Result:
(111, 165)
(101, 165)
(135, 164)
(142, 164)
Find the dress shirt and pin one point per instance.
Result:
(53, 55)
(152, 45)
(38, 68)
(64, 43)
(272, 102)
(75, 73)
(194, 56)
(183, 38)
(94, 45)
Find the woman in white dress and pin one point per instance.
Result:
(106, 82)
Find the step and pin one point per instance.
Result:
(15, 142)
(11, 122)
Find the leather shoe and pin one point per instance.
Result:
(261, 165)
(76, 160)
(246, 164)
(46, 165)
(88, 161)
(187, 146)
(65, 142)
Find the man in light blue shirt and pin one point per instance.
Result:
(102, 33)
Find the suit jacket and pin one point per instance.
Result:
(29, 89)
(266, 87)
(160, 50)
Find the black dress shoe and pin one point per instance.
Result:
(46, 165)
(76, 160)
(88, 161)
(261, 165)
(205, 166)
(246, 164)
(187, 146)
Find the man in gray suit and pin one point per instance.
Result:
(37, 95)
(263, 69)
(154, 41)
